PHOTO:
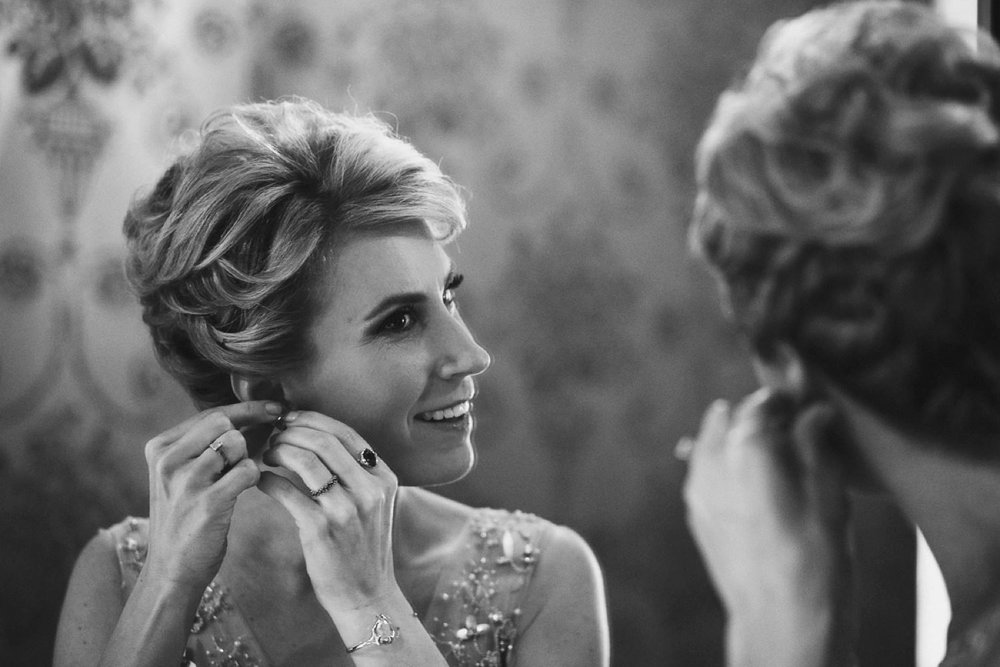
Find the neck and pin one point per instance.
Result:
(951, 500)
(263, 532)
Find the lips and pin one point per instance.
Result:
(452, 412)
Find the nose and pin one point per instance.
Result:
(461, 355)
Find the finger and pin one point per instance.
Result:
(761, 433)
(302, 508)
(208, 425)
(767, 413)
(224, 452)
(239, 414)
(683, 448)
(304, 463)
(327, 453)
(713, 429)
(704, 461)
(346, 454)
(243, 475)
(233, 481)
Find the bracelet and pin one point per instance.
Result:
(383, 632)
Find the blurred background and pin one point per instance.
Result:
(571, 124)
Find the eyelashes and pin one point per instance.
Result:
(454, 280)
(408, 316)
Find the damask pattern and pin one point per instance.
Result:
(570, 124)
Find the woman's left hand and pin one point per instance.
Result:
(767, 507)
(345, 529)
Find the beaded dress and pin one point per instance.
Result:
(473, 617)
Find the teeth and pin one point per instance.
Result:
(448, 413)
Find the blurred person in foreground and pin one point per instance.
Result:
(293, 274)
(849, 203)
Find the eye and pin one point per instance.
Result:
(449, 289)
(399, 321)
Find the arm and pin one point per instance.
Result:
(343, 509)
(92, 605)
(566, 612)
(196, 471)
(767, 509)
(95, 627)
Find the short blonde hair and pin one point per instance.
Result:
(226, 250)
(849, 200)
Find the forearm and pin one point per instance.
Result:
(154, 625)
(412, 645)
(789, 638)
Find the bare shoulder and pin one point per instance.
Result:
(97, 565)
(566, 561)
(565, 610)
(92, 604)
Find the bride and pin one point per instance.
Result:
(293, 274)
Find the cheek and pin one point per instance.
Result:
(372, 399)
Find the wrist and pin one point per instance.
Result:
(170, 582)
(392, 602)
(784, 637)
(175, 581)
(382, 617)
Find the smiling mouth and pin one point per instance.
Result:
(452, 413)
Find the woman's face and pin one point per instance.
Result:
(394, 360)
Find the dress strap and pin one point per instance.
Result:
(477, 606)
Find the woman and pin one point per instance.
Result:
(292, 273)
(849, 201)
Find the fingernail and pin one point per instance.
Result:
(683, 449)
(290, 417)
(273, 408)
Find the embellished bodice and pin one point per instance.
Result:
(473, 617)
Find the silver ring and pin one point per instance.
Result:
(216, 446)
(326, 487)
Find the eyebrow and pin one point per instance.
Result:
(405, 298)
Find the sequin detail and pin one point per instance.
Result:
(213, 602)
(473, 617)
(132, 549)
(478, 624)
(209, 644)
(235, 653)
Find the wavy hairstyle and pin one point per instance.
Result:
(849, 201)
(227, 252)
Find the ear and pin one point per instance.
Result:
(783, 370)
(256, 388)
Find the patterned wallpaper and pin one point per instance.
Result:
(571, 125)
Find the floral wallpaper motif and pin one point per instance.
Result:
(571, 125)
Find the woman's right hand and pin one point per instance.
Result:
(193, 489)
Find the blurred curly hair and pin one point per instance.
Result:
(849, 201)
(229, 251)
